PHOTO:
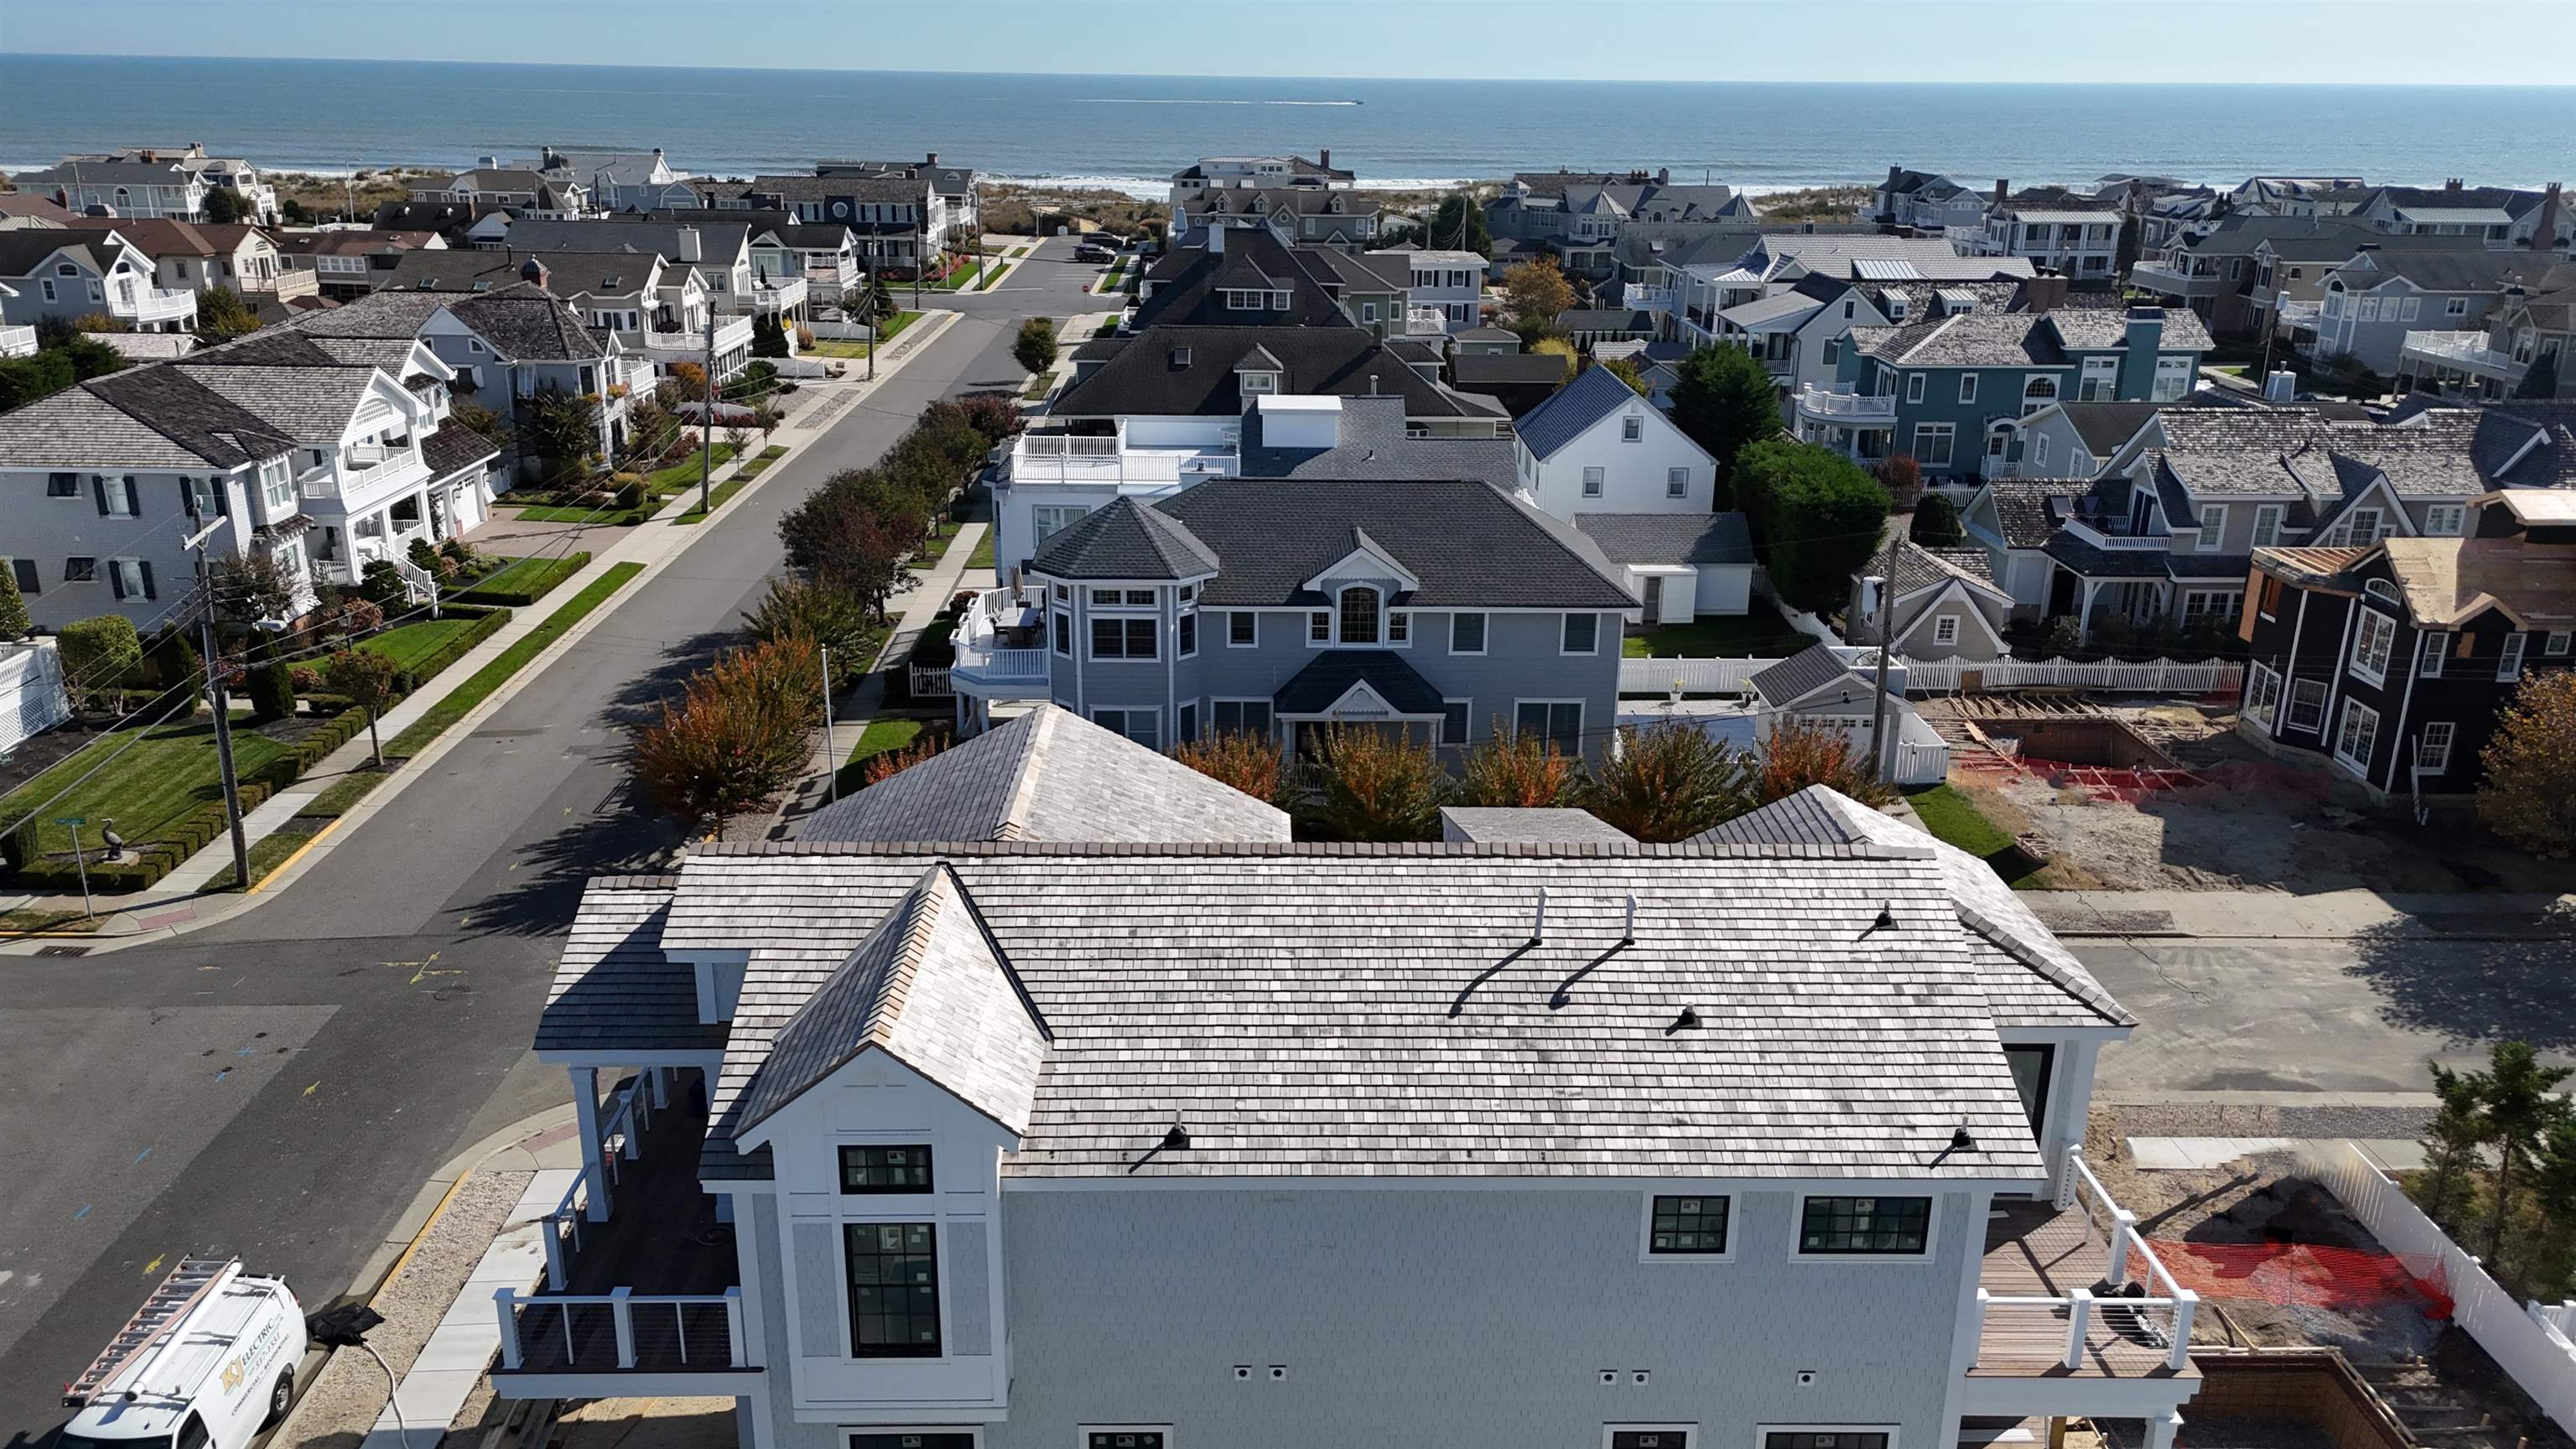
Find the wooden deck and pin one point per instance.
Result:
(2034, 1250)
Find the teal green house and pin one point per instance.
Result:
(1951, 391)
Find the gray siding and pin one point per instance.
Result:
(48, 532)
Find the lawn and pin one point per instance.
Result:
(606, 516)
(1759, 633)
(884, 733)
(684, 473)
(1950, 816)
(268, 853)
(852, 348)
(982, 557)
(342, 795)
(734, 484)
(1110, 279)
(491, 676)
(408, 644)
(525, 579)
(145, 780)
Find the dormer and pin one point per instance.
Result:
(1258, 373)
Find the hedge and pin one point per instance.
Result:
(529, 581)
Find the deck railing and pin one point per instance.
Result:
(620, 1141)
(2165, 1311)
(534, 1328)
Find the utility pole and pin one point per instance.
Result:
(707, 422)
(916, 256)
(222, 702)
(831, 753)
(1886, 643)
(876, 325)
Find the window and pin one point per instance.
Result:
(1582, 634)
(1914, 387)
(2267, 525)
(2433, 747)
(2413, 304)
(1368, 311)
(2039, 449)
(1122, 638)
(1240, 716)
(2429, 653)
(2200, 606)
(80, 569)
(1399, 626)
(1659, 1436)
(1945, 630)
(1454, 717)
(2456, 307)
(62, 485)
(1932, 443)
(1242, 629)
(2365, 526)
(24, 569)
(2553, 645)
(2443, 520)
(2262, 694)
(2307, 705)
(1865, 1226)
(2100, 380)
(1677, 482)
(1187, 725)
(894, 1289)
(1833, 352)
(2369, 309)
(117, 497)
(1824, 1439)
(1559, 722)
(49, 289)
(1967, 387)
(2509, 666)
(1686, 1226)
(2173, 378)
(885, 1169)
(1319, 627)
(1063, 633)
(2359, 735)
(131, 578)
(2213, 527)
(2037, 393)
(1467, 634)
(1359, 615)
(2372, 638)
(1592, 481)
(1140, 725)
(1189, 632)
(1124, 1438)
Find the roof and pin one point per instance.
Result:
(1778, 307)
(1669, 538)
(1837, 253)
(26, 206)
(1249, 986)
(2439, 269)
(1144, 375)
(2448, 581)
(1468, 544)
(143, 417)
(1919, 567)
(2038, 980)
(1038, 777)
(1372, 444)
(159, 237)
(1965, 339)
(1605, 319)
(525, 323)
(1801, 674)
(1124, 540)
(719, 240)
(2104, 426)
(2092, 329)
(1475, 369)
(614, 988)
(1333, 673)
(25, 248)
(2022, 507)
(1596, 393)
(1497, 825)
(1188, 284)
(454, 446)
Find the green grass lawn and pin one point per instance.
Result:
(884, 733)
(268, 853)
(408, 644)
(491, 676)
(532, 577)
(146, 779)
(982, 557)
(1949, 815)
(684, 473)
(1760, 633)
(854, 349)
(561, 513)
(342, 795)
(1110, 279)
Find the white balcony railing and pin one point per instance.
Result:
(778, 294)
(2092, 1328)
(1058, 458)
(1845, 407)
(151, 304)
(995, 646)
(2177, 281)
(1641, 298)
(17, 341)
(2301, 314)
(1425, 322)
(2117, 542)
(2465, 350)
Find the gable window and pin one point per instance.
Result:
(1967, 387)
(2359, 735)
(1932, 443)
(1242, 629)
(1593, 478)
(1559, 722)
(1144, 726)
(1467, 634)
(2372, 638)
(2433, 747)
(1582, 634)
(867, 1170)
(1676, 482)
(1686, 1226)
(2365, 526)
(2509, 666)
(1359, 615)
(1865, 1226)
(1240, 716)
(2429, 654)
(894, 1289)
(1914, 387)
(1122, 638)
(2037, 393)
(2213, 527)
(1632, 430)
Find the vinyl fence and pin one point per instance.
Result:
(32, 698)
(1696, 676)
(2527, 1342)
(2152, 676)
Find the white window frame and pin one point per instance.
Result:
(2039, 449)
(2262, 694)
(2444, 520)
(1677, 482)
(2455, 307)
(2374, 636)
(1252, 643)
(2554, 645)
(1945, 629)
(1185, 633)
(1564, 623)
(123, 586)
(1931, 1233)
(1948, 436)
(1632, 428)
(2431, 648)
(2317, 704)
(1914, 384)
(2352, 532)
(1090, 639)
(2213, 528)
(2354, 726)
(1596, 480)
(1124, 712)
(2267, 525)
(2435, 750)
(1967, 387)
(2509, 664)
(1383, 614)
(1484, 633)
(1323, 640)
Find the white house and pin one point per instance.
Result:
(1595, 446)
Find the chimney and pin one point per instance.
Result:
(930, 158)
(2043, 294)
(1324, 158)
(1216, 238)
(2002, 185)
(1894, 175)
(2146, 329)
(2544, 227)
(533, 270)
(2453, 184)
(690, 251)
(2280, 387)
(1663, 176)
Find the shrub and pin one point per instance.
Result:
(99, 653)
(272, 691)
(1374, 784)
(14, 622)
(1936, 522)
(1821, 517)
(834, 618)
(804, 338)
(894, 762)
(2529, 793)
(1518, 772)
(380, 584)
(1807, 752)
(1901, 476)
(424, 556)
(1667, 782)
(994, 416)
(742, 732)
(18, 849)
(631, 496)
(1035, 348)
(172, 661)
(1251, 763)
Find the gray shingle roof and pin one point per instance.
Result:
(2022, 507)
(1968, 339)
(1495, 826)
(1573, 409)
(614, 989)
(1188, 283)
(143, 417)
(454, 446)
(2090, 329)
(1144, 376)
(308, 404)
(1669, 538)
(1038, 777)
(1331, 1012)
(2441, 270)
(1373, 445)
(1125, 540)
(1919, 567)
(1470, 545)
(1797, 676)
(1332, 673)
(526, 323)
(2104, 426)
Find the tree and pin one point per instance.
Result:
(1518, 772)
(224, 207)
(855, 533)
(1376, 783)
(738, 440)
(222, 315)
(768, 336)
(1936, 522)
(1723, 399)
(98, 653)
(563, 429)
(2517, 1097)
(251, 587)
(1902, 477)
(14, 622)
(172, 658)
(272, 692)
(381, 584)
(1667, 782)
(2125, 254)
(2451, 1141)
(880, 304)
(1251, 763)
(2541, 382)
(1802, 752)
(689, 383)
(995, 416)
(368, 679)
(741, 733)
(2529, 793)
(1626, 370)
(469, 414)
(1457, 224)
(833, 618)
(1537, 289)
(1035, 348)
(1821, 517)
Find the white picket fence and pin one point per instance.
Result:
(1696, 676)
(2152, 676)
(2526, 1341)
(32, 698)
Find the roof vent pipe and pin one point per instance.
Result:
(1538, 923)
(1628, 937)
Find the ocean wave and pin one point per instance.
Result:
(1194, 101)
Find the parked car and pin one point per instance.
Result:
(1093, 252)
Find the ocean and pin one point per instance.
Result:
(1131, 132)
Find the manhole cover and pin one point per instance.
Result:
(62, 950)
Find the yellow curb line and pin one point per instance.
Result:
(298, 854)
(422, 1236)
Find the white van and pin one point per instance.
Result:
(207, 1363)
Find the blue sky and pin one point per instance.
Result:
(2239, 41)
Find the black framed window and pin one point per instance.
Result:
(886, 1169)
(1359, 615)
(2031, 1071)
(1582, 633)
(1650, 1439)
(894, 1289)
(1865, 1225)
(1122, 1439)
(1122, 638)
(957, 1439)
(1063, 633)
(79, 569)
(1684, 1226)
(1825, 1439)
(62, 485)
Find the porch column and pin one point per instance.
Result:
(2084, 615)
(585, 1105)
(2161, 1430)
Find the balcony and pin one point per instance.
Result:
(773, 294)
(2076, 1313)
(151, 304)
(1111, 461)
(1639, 298)
(2297, 315)
(1851, 409)
(2096, 535)
(2174, 280)
(733, 336)
(1001, 646)
(17, 341)
(1425, 322)
(2466, 352)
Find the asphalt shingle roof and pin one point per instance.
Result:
(1797, 676)
(1669, 538)
(524, 322)
(1124, 540)
(1332, 672)
(1143, 375)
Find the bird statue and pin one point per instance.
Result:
(115, 842)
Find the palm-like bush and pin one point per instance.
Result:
(1525, 772)
(1376, 784)
(1668, 782)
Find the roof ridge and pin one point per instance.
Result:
(939, 849)
(1014, 824)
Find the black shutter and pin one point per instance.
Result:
(98, 485)
(133, 497)
(115, 579)
(145, 568)
(187, 498)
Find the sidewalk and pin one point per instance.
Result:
(180, 901)
(2329, 915)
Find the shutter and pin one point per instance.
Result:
(144, 567)
(187, 498)
(223, 497)
(819, 1272)
(98, 485)
(133, 497)
(115, 579)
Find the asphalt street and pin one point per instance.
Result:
(279, 1086)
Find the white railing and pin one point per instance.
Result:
(931, 682)
(1639, 297)
(980, 660)
(1096, 459)
(1820, 402)
(775, 295)
(2462, 349)
(2301, 314)
(155, 304)
(2152, 676)
(620, 1141)
(2168, 1307)
(17, 341)
(1693, 676)
(419, 584)
(1425, 322)
(2177, 280)
(2528, 1341)
(624, 1306)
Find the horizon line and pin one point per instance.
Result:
(2479, 84)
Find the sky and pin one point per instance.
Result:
(2228, 41)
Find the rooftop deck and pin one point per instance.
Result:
(2055, 1300)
